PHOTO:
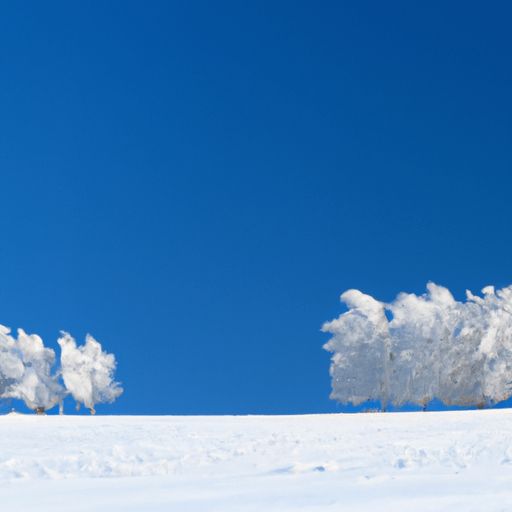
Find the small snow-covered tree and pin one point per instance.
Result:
(88, 372)
(36, 385)
(28, 371)
(11, 365)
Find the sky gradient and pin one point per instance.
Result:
(196, 184)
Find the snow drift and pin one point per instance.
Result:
(456, 461)
(417, 348)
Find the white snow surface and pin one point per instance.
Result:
(382, 461)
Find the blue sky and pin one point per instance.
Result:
(196, 183)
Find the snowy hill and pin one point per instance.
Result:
(396, 461)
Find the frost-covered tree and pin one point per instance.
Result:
(360, 342)
(28, 371)
(88, 372)
(460, 353)
(35, 384)
(421, 336)
(495, 348)
(11, 365)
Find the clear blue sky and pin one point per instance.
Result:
(196, 183)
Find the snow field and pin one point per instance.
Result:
(398, 461)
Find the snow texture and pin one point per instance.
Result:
(431, 346)
(457, 461)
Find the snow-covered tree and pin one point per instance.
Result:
(88, 372)
(28, 371)
(421, 337)
(495, 348)
(360, 342)
(11, 365)
(460, 353)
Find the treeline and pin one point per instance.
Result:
(418, 348)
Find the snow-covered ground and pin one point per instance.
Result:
(395, 461)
